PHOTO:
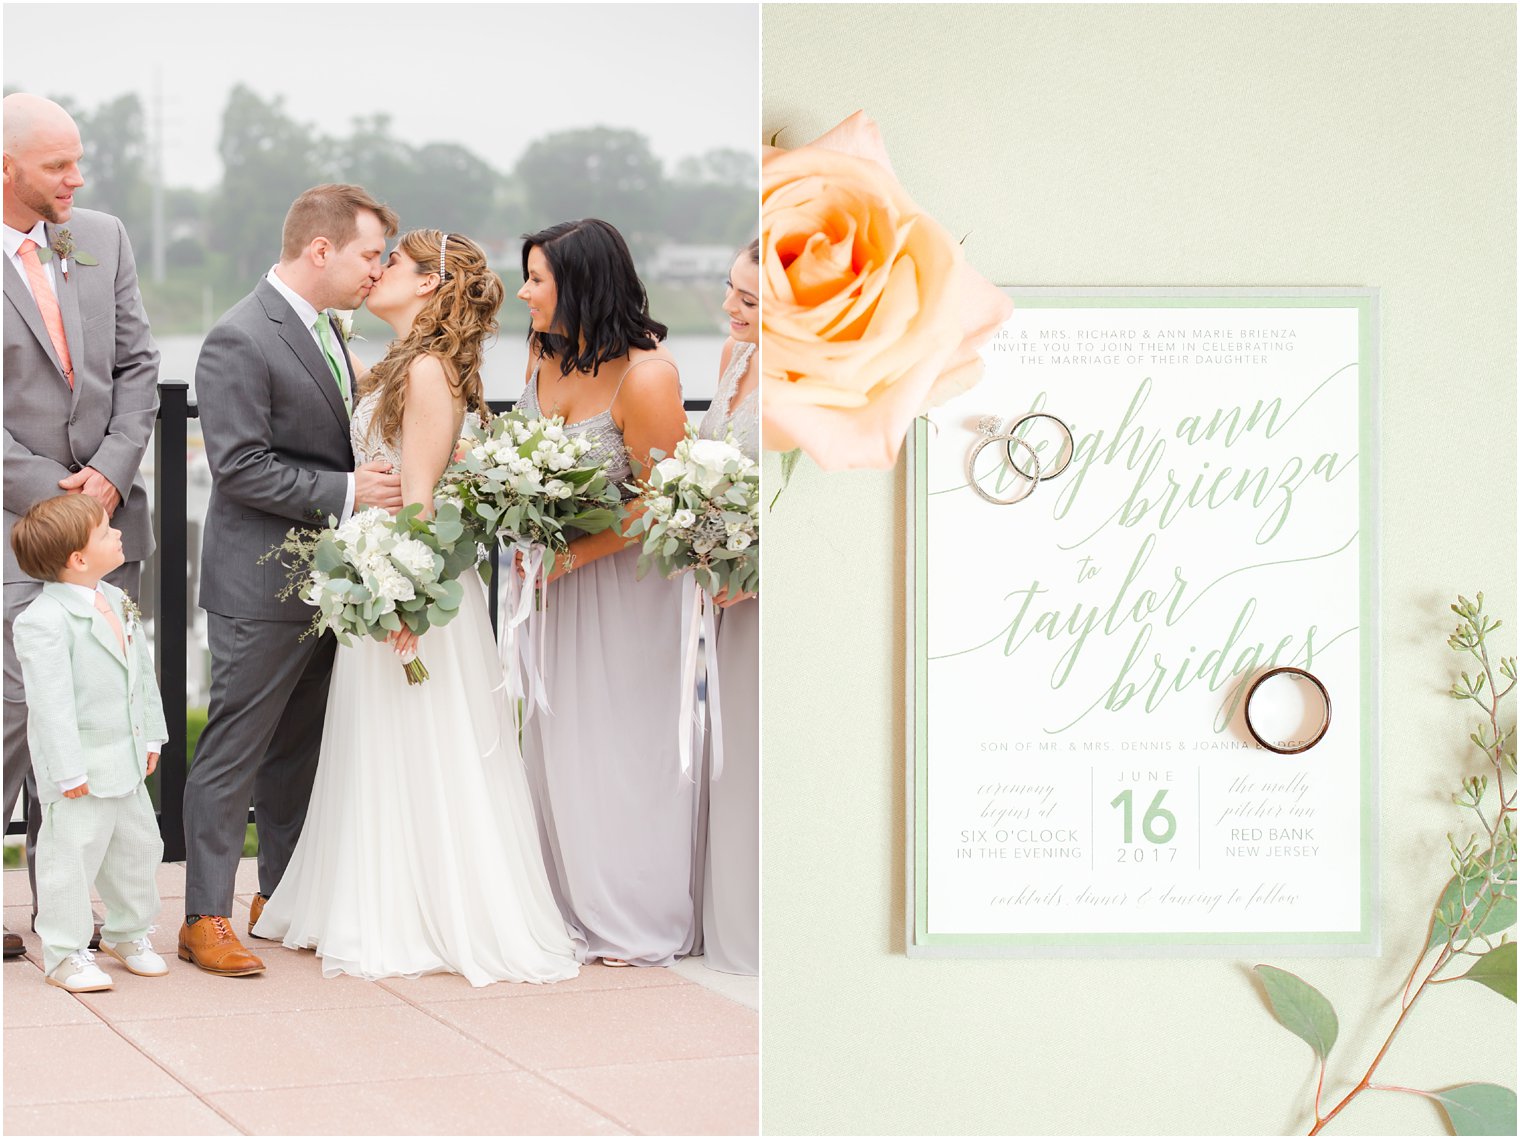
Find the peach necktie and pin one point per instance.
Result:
(111, 619)
(47, 304)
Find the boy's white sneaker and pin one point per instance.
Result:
(137, 956)
(78, 973)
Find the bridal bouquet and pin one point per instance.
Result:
(703, 513)
(374, 574)
(525, 481)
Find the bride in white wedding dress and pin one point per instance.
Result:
(420, 852)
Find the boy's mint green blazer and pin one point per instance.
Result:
(91, 709)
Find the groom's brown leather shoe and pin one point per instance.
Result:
(14, 946)
(210, 943)
(255, 911)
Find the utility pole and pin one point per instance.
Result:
(160, 237)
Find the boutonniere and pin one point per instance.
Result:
(345, 323)
(129, 609)
(61, 245)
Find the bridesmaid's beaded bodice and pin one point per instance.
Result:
(608, 450)
(744, 420)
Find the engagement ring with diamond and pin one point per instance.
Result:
(990, 430)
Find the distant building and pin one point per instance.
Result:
(675, 262)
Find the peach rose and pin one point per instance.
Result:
(870, 314)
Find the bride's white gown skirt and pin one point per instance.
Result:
(420, 852)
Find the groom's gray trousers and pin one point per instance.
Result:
(276, 431)
(259, 748)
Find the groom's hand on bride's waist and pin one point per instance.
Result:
(375, 484)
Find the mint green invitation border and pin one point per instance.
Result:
(1364, 941)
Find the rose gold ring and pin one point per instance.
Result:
(1063, 459)
(1295, 673)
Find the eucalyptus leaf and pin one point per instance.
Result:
(84, 258)
(1300, 1008)
(789, 462)
(1496, 969)
(1493, 905)
(1478, 1109)
(327, 558)
(450, 594)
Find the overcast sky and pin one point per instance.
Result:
(490, 76)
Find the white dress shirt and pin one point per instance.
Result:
(89, 595)
(306, 312)
(13, 240)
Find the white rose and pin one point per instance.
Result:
(414, 557)
(670, 469)
(712, 453)
(391, 586)
(738, 541)
(348, 534)
(683, 519)
(661, 506)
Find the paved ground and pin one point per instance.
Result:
(615, 1051)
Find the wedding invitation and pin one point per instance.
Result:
(1082, 774)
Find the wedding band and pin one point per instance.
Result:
(1295, 672)
(1068, 450)
(989, 430)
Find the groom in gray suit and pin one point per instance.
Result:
(275, 389)
(81, 380)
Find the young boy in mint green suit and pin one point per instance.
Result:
(95, 725)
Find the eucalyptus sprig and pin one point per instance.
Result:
(1469, 921)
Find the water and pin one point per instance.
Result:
(503, 371)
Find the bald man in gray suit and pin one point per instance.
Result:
(81, 380)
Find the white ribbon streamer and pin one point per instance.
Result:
(701, 629)
(520, 638)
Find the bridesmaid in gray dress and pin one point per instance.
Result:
(731, 890)
(616, 816)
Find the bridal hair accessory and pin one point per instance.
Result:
(1296, 674)
(989, 431)
(1063, 458)
(443, 274)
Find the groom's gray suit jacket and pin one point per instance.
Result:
(276, 434)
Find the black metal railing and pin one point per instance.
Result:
(171, 611)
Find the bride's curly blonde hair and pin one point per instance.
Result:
(459, 316)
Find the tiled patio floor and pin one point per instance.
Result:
(613, 1052)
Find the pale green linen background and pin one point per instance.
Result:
(1145, 145)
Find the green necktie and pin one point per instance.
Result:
(324, 334)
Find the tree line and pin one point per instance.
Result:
(222, 237)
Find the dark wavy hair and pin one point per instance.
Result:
(601, 311)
